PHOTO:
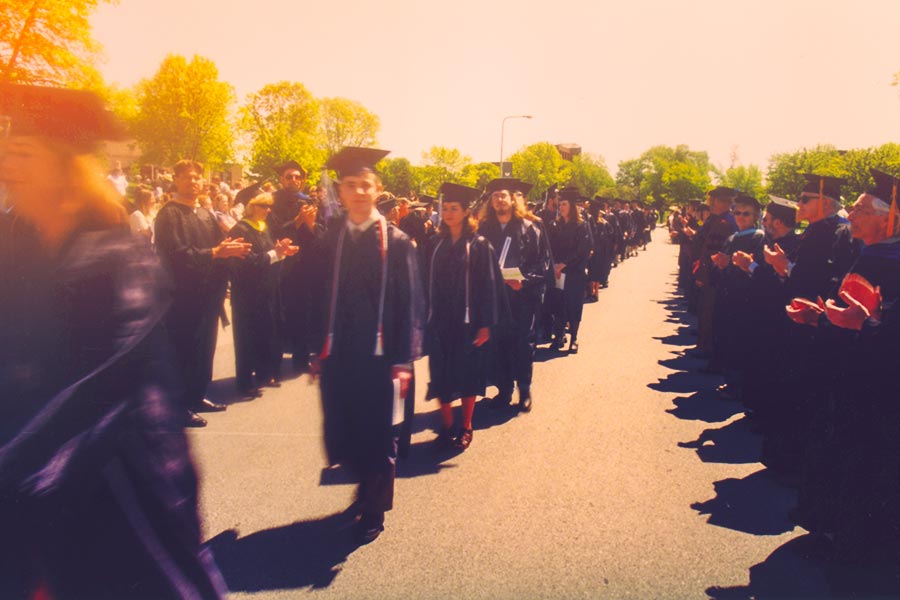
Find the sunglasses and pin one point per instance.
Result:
(742, 213)
(805, 199)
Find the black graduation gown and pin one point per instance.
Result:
(98, 495)
(768, 326)
(711, 238)
(853, 407)
(297, 273)
(825, 253)
(571, 245)
(529, 251)
(601, 261)
(184, 239)
(356, 385)
(254, 305)
(464, 293)
(731, 323)
(867, 501)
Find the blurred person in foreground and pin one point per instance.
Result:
(98, 494)
(372, 318)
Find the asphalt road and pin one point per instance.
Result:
(628, 480)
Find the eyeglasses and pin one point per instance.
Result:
(742, 213)
(805, 199)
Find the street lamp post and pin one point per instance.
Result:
(502, 130)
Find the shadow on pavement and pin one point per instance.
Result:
(734, 443)
(754, 504)
(704, 406)
(684, 381)
(795, 571)
(306, 554)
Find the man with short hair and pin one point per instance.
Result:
(295, 216)
(708, 242)
(371, 332)
(824, 255)
(193, 250)
(732, 329)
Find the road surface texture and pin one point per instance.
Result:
(629, 479)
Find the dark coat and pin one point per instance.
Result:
(465, 293)
(98, 496)
(357, 392)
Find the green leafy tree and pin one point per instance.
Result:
(748, 179)
(540, 165)
(441, 164)
(591, 176)
(398, 176)
(629, 178)
(479, 174)
(785, 172)
(665, 175)
(281, 122)
(346, 123)
(48, 42)
(183, 112)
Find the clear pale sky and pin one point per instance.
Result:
(755, 77)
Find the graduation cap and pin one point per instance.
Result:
(510, 184)
(570, 193)
(722, 193)
(823, 185)
(553, 189)
(247, 193)
(386, 204)
(886, 190)
(351, 160)
(461, 194)
(524, 187)
(426, 200)
(289, 165)
(782, 209)
(75, 116)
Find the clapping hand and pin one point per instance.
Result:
(776, 257)
(742, 260)
(863, 301)
(721, 260)
(229, 248)
(284, 248)
(805, 312)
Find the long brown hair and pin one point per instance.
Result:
(519, 211)
(574, 213)
(469, 226)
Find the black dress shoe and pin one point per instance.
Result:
(369, 527)
(272, 383)
(194, 420)
(573, 347)
(207, 405)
